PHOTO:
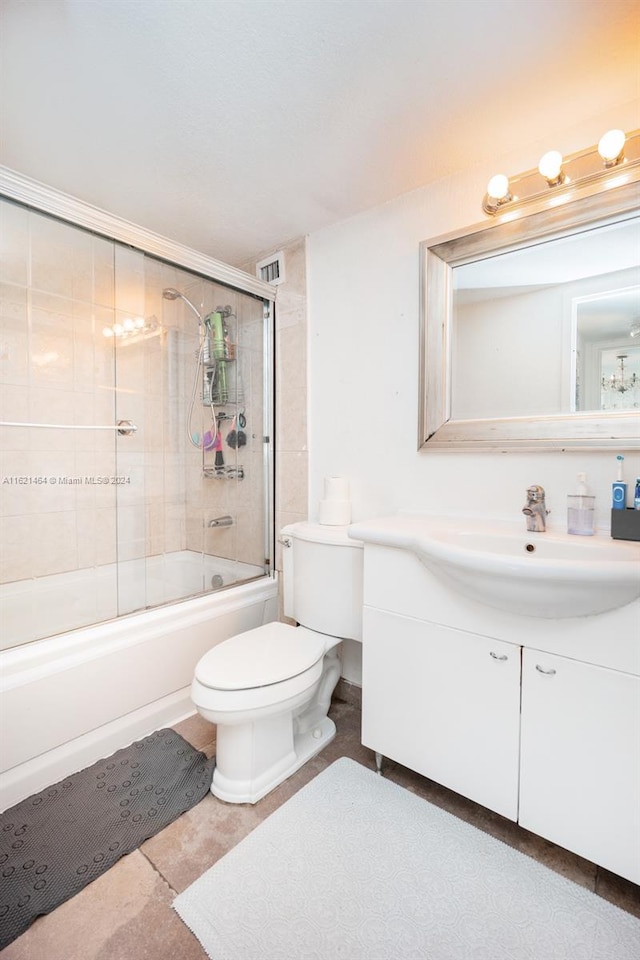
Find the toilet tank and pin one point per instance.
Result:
(322, 572)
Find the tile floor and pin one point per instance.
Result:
(126, 914)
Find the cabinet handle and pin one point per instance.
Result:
(498, 656)
(548, 673)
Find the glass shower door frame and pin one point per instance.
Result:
(31, 194)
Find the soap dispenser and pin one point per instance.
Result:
(581, 509)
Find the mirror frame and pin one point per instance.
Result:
(608, 202)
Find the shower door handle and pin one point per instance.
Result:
(126, 427)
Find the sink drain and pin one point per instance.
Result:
(216, 581)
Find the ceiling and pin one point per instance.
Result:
(234, 126)
(587, 253)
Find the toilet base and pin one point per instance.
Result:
(234, 785)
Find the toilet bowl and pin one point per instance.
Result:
(269, 689)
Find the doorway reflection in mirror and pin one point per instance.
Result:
(607, 360)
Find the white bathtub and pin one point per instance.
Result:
(46, 606)
(70, 699)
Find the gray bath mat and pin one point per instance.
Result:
(54, 843)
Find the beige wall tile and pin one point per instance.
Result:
(61, 258)
(16, 556)
(14, 339)
(129, 282)
(291, 481)
(291, 389)
(56, 543)
(57, 367)
(14, 244)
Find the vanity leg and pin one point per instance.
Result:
(379, 764)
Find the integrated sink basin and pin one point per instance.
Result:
(500, 564)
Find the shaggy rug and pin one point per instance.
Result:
(354, 867)
(54, 843)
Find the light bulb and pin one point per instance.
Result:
(107, 332)
(611, 147)
(128, 324)
(498, 187)
(118, 329)
(139, 323)
(550, 167)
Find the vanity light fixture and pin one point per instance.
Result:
(498, 192)
(559, 178)
(550, 167)
(611, 147)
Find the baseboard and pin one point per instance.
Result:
(349, 692)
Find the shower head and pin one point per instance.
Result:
(170, 293)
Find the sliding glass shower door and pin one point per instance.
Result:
(134, 429)
(192, 491)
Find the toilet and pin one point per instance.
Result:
(269, 689)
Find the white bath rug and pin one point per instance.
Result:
(354, 867)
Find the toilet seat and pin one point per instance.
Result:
(267, 655)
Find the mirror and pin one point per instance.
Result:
(530, 329)
(605, 361)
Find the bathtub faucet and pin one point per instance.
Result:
(535, 509)
(225, 521)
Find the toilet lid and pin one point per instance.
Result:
(257, 658)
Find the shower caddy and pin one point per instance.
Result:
(218, 351)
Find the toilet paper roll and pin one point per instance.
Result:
(335, 513)
(336, 488)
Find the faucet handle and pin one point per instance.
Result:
(535, 493)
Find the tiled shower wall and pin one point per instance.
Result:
(242, 499)
(57, 289)
(291, 449)
(60, 287)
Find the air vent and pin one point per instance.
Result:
(271, 268)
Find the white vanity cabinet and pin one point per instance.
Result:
(580, 759)
(535, 718)
(445, 703)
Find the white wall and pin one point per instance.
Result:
(363, 301)
(363, 360)
(533, 331)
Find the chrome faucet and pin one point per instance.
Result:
(225, 521)
(535, 509)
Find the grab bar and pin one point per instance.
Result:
(124, 427)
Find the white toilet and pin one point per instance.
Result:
(269, 689)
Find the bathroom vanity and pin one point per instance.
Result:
(535, 717)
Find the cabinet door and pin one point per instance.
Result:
(580, 763)
(445, 703)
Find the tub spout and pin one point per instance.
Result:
(225, 521)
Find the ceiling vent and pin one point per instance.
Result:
(271, 268)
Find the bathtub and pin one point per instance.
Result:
(70, 699)
(46, 606)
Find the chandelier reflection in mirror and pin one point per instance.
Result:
(620, 388)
